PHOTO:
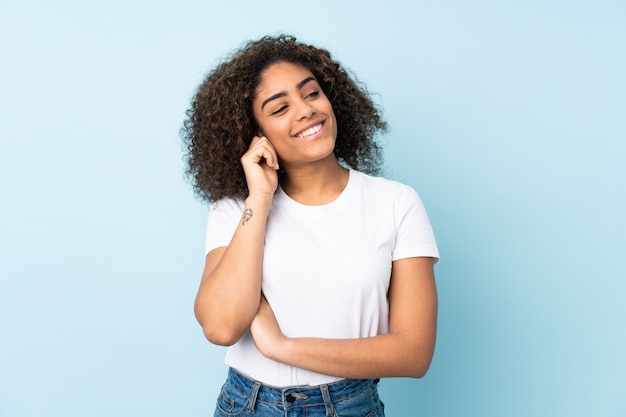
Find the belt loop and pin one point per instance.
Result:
(330, 409)
(253, 395)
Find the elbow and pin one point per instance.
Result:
(418, 365)
(221, 337)
(419, 370)
(215, 327)
(421, 353)
(217, 330)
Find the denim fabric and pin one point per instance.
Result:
(242, 396)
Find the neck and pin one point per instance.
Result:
(315, 184)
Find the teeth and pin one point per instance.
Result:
(311, 131)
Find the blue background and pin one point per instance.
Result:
(509, 118)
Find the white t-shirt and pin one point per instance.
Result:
(326, 269)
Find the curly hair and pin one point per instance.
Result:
(220, 123)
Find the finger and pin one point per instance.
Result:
(261, 155)
(269, 153)
(255, 151)
(262, 148)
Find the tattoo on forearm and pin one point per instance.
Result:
(247, 215)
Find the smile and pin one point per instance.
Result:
(310, 131)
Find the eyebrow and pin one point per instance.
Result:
(283, 93)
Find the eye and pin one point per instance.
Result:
(314, 94)
(280, 110)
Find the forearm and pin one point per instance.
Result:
(390, 355)
(230, 290)
(406, 350)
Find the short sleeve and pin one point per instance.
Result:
(224, 216)
(414, 236)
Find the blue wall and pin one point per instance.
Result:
(509, 118)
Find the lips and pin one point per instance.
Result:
(310, 130)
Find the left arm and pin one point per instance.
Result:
(406, 350)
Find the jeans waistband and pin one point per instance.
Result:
(299, 395)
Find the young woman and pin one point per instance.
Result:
(319, 276)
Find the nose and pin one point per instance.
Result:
(305, 110)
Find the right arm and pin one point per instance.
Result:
(230, 289)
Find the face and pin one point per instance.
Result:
(295, 115)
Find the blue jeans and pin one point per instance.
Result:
(242, 396)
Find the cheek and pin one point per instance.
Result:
(276, 130)
(266, 129)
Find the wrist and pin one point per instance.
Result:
(259, 200)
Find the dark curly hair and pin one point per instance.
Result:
(220, 123)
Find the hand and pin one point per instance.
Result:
(265, 331)
(260, 164)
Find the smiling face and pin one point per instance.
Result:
(295, 115)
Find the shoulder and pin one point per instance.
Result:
(385, 188)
